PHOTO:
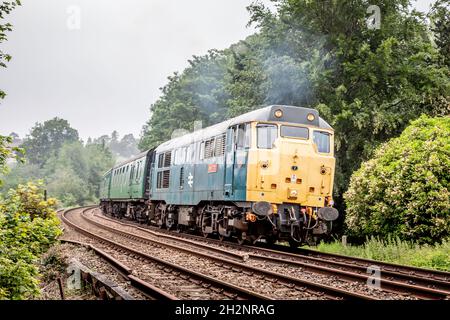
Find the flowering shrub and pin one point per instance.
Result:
(28, 226)
(404, 190)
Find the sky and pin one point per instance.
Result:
(100, 64)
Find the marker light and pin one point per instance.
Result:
(278, 113)
(311, 117)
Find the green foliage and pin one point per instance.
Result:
(73, 175)
(6, 151)
(123, 149)
(20, 173)
(368, 84)
(28, 227)
(5, 8)
(396, 251)
(46, 139)
(440, 17)
(70, 169)
(197, 94)
(404, 190)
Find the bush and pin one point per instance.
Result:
(28, 227)
(404, 190)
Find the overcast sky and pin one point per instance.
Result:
(104, 75)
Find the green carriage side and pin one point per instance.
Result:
(129, 180)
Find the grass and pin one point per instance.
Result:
(395, 251)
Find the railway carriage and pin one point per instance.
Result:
(265, 174)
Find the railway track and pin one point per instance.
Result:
(154, 276)
(253, 281)
(403, 280)
(207, 252)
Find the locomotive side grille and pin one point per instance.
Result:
(220, 146)
(181, 177)
(167, 159)
(165, 178)
(209, 148)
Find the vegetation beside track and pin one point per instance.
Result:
(396, 251)
(28, 227)
(404, 190)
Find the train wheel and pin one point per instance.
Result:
(241, 237)
(223, 233)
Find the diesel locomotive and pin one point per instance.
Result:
(267, 174)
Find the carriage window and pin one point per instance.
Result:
(322, 140)
(266, 134)
(295, 132)
(139, 170)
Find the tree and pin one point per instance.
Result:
(6, 151)
(440, 18)
(367, 83)
(5, 8)
(123, 149)
(46, 139)
(128, 146)
(73, 175)
(404, 190)
(198, 94)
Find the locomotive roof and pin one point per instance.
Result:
(291, 114)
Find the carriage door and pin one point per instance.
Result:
(131, 180)
(230, 156)
(238, 143)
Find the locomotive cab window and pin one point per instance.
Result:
(294, 132)
(266, 135)
(247, 136)
(243, 136)
(322, 140)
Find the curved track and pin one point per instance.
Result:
(245, 280)
(155, 276)
(404, 280)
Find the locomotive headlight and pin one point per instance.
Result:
(311, 117)
(278, 113)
